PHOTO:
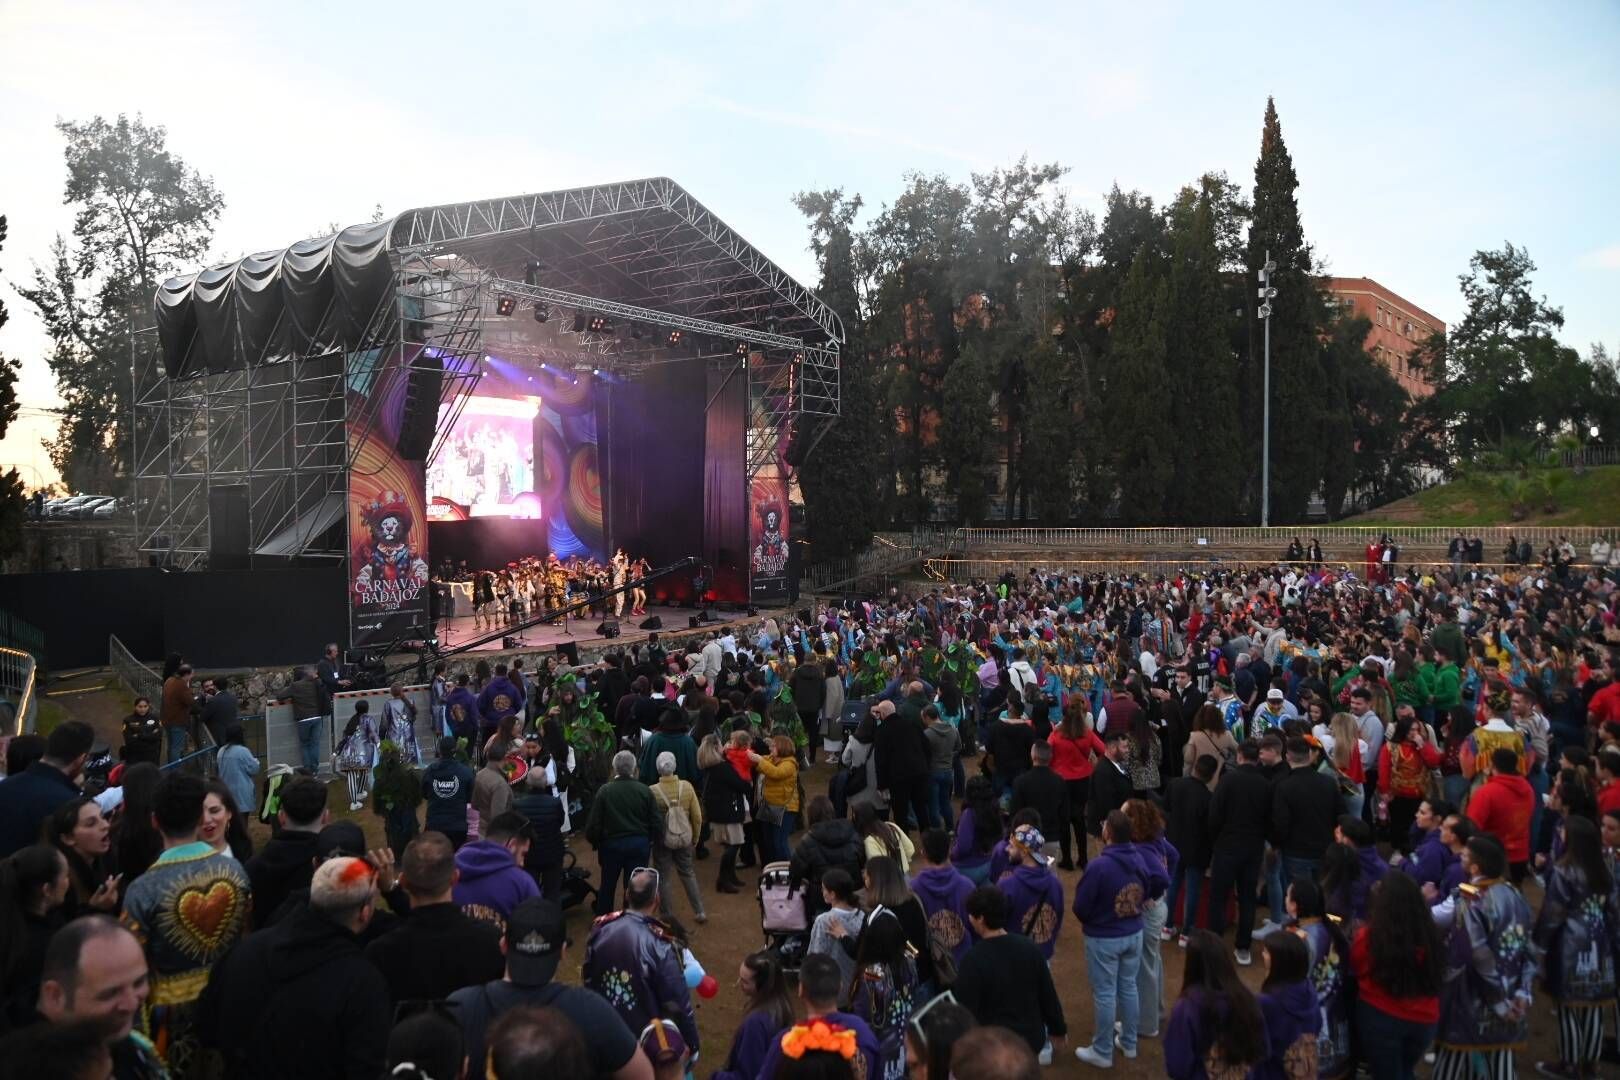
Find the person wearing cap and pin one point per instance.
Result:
(634, 960)
(491, 879)
(1034, 893)
(1273, 713)
(300, 999)
(1109, 904)
(447, 788)
(533, 944)
(437, 948)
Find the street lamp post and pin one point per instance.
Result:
(1266, 292)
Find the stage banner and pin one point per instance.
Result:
(387, 511)
(570, 480)
(768, 537)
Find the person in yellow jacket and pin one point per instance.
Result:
(779, 793)
(672, 850)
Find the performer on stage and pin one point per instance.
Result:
(556, 585)
(621, 570)
(483, 600)
(638, 595)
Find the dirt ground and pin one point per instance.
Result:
(733, 929)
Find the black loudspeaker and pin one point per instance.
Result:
(693, 621)
(608, 628)
(652, 622)
(570, 651)
(228, 541)
(420, 416)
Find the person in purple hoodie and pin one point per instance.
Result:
(1288, 1004)
(818, 989)
(1034, 893)
(943, 891)
(1147, 833)
(1430, 856)
(1347, 889)
(770, 1010)
(493, 880)
(1216, 1028)
(1455, 832)
(461, 712)
(491, 706)
(1108, 904)
(1000, 855)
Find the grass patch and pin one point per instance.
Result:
(1481, 499)
(51, 713)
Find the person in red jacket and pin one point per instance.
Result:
(1404, 765)
(1074, 748)
(1608, 771)
(1502, 806)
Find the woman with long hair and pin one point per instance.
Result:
(887, 889)
(80, 832)
(779, 793)
(1398, 965)
(1457, 723)
(1288, 1004)
(136, 842)
(1216, 1028)
(1209, 736)
(1347, 760)
(979, 829)
(1329, 975)
(725, 809)
(763, 984)
(1075, 749)
(1576, 930)
(879, 837)
(1145, 755)
(224, 827)
(883, 990)
(34, 882)
(1404, 763)
(1147, 834)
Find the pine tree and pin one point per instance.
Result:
(966, 432)
(1136, 394)
(13, 507)
(1206, 483)
(1050, 434)
(1298, 316)
(840, 477)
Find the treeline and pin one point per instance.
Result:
(1013, 358)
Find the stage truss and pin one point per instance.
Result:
(643, 253)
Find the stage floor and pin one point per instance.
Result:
(452, 632)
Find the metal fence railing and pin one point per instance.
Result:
(21, 634)
(966, 569)
(138, 679)
(1278, 536)
(1586, 455)
(19, 699)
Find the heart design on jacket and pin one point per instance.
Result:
(208, 915)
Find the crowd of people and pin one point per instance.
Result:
(533, 586)
(1416, 774)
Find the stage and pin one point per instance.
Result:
(582, 632)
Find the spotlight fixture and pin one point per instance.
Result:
(741, 348)
(596, 371)
(599, 324)
(541, 312)
(674, 338)
(798, 358)
(579, 322)
(505, 305)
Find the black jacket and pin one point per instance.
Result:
(1044, 791)
(27, 800)
(1109, 789)
(725, 795)
(809, 685)
(1240, 813)
(545, 812)
(219, 713)
(297, 1000)
(285, 866)
(436, 951)
(1186, 803)
(902, 751)
(1008, 746)
(1305, 807)
(827, 844)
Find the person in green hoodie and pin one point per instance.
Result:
(1447, 679)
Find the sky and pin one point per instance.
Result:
(1421, 132)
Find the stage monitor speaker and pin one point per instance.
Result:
(420, 415)
(694, 621)
(228, 541)
(570, 651)
(608, 628)
(509, 642)
(652, 622)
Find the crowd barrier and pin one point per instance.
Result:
(1277, 536)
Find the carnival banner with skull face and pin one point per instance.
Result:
(768, 537)
(388, 557)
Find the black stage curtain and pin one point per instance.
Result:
(653, 472)
(486, 542)
(725, 484)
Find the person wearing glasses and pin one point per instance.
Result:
(633, 959)
(299, 997)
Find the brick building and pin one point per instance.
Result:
(1398, 327)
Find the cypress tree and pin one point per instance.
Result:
(1136, 394)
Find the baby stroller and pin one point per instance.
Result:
(576, 882)
(783, 916)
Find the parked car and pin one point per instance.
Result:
(113, 508)
(63, 508)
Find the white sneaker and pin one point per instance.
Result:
(1181, 941)
(1121, 1048)
(1092, 1058)
(1045, 1056)
(1167, 933)
(1243, 958)
(1265, 928)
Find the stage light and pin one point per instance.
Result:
(541, 313)
(579, 322)
(599, 324)
(505, 305)
(596, 371)
(798, 358)
(741, 348)
(674, 338)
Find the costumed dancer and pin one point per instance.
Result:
(556, 585)
(1578, 933)
(621, 569)
(638, 595)
(356, 753)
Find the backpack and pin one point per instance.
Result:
(677, 826)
